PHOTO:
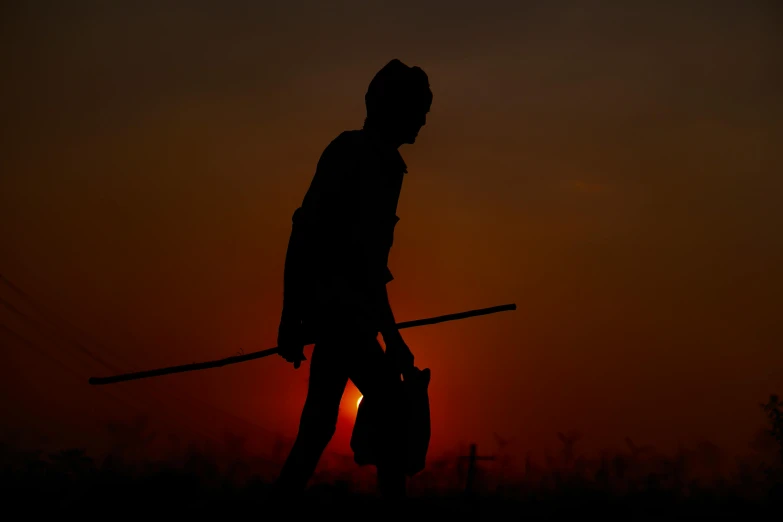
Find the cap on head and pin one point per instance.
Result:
(397, 87)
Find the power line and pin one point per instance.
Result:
(80, 378)
(38, 327)
(36, 324)
(48, 314)
(36, 349)
(74, 373)
(94, 357)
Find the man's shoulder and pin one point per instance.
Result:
(336, 167)
(347, 141)
(343, 151)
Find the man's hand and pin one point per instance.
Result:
(399, 354)
(291, 342)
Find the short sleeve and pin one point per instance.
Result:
(387, 276)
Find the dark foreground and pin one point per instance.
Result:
(85, 490)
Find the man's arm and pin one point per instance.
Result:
(290, 340)
(395, 345)
(316, 235)
(292, 274)
(388, 325)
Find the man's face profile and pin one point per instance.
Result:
(410, 124)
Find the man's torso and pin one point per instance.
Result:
(347, 219)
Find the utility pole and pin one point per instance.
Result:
(472, 459)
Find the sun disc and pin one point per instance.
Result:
(358, 402)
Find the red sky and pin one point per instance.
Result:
(612, 170)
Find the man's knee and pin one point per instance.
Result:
(317, 430)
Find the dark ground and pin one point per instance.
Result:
(228, 481)
(71, 483)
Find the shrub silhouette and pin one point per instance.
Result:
(227, 473)
(775, 419)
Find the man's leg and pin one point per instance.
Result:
(328, 377)
(373, 376)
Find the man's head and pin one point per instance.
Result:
(398, 100)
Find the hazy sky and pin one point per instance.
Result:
(615, 170)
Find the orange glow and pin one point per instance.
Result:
(522, 187)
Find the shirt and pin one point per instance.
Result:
(344, 229)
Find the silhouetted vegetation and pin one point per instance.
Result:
(144, 472)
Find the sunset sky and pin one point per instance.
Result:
(613, 168)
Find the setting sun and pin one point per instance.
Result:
(359, 401)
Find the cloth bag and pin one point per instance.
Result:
(365, 438)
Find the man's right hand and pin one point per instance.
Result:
(291, 342)
(398, 353)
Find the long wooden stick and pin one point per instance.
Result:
(271, 351)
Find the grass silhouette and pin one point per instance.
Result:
(226, 478)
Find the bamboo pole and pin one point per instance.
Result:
(271, 351)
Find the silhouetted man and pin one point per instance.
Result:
(336, 274)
